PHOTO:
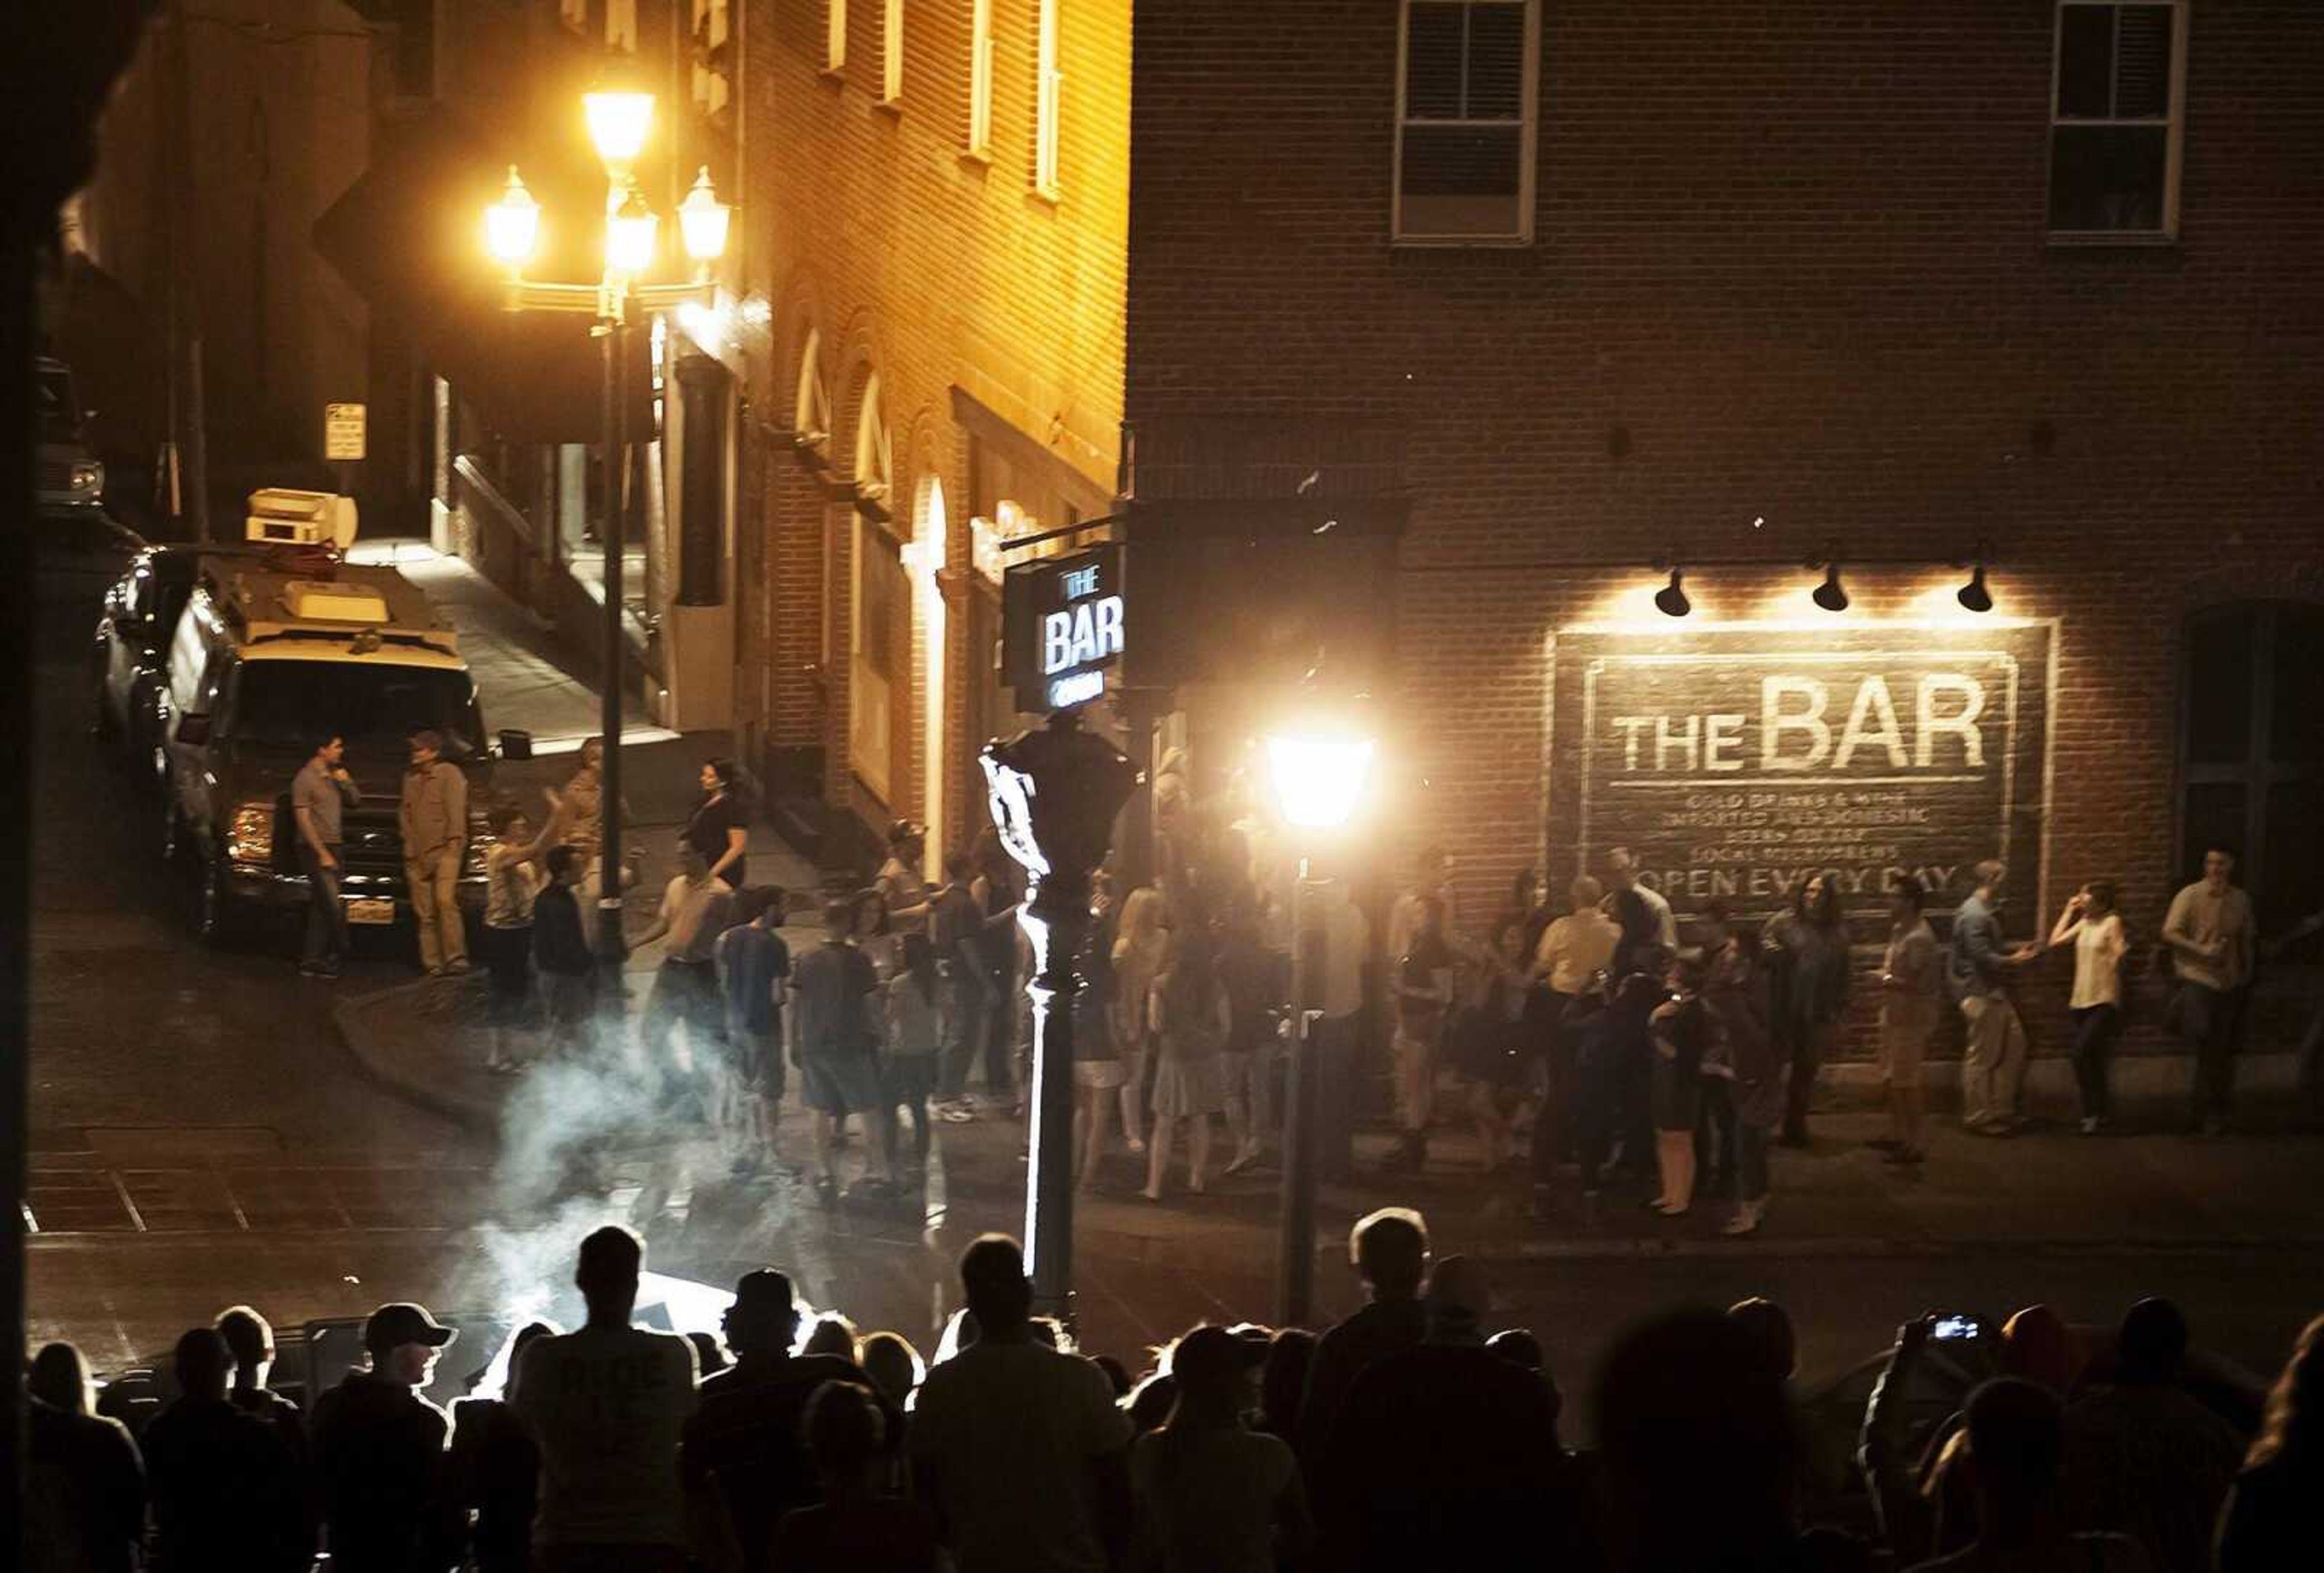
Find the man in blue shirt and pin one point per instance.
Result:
(1995, 1065)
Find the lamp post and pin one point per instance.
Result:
(620, 120)
(1056, 792)
(1321, 779)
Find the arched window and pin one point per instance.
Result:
(811, 405)
(2251, 752)
(879, 606)
(927, 564)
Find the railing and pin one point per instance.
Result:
(476, 490)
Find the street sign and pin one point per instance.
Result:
(343, 431)
(1062, 626)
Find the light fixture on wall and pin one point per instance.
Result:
(1831, 595)
(1671, 600)
(1974, 596)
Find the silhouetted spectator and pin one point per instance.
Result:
(1389, 1252)
(2274, 1516)
(1445, 1455)
(1116, 1373)
(379, 1452)
(1518, 1346)
(1283, 1381)
(832, 1335)
(860, 1525)
(745, 1461)
(1213, 1496)
(1150, 1402)
(250, 1342)
(1698, 1457)
(2145, 1457)
(1769, 1328)
(221, 1494)
(84, 1485)
(894, 1366)
(709, 1353)
(606, 1404)
(2017, 1434)
(1021, 1446)
(496, 1468)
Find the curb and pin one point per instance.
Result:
(347, 1015)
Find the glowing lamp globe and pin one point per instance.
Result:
(629, 237)
(513, 224)
(618, 123)
(1319, 779)
(701, 220)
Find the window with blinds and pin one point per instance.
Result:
(2116, 110)
(835, 35)
(1048, 92)
(1464, 106)
(892, 52)
(980, 77)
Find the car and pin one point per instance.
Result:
(279, 648)
(129, 653)
(69, 477)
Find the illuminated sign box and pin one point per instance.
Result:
(1063, 626)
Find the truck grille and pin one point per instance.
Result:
(373, 853)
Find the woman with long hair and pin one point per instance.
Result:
(720, 826)
(1489, 1048)
(1213, 1496)
(2093, 923)
(1190, 1020)
(1735, 987)
(1098, 1070)
(1681, 1031)
(2276, 1507)
(1142, 939)
(907, 1051)
(1807, 965)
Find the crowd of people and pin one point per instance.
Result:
(1409, 1435)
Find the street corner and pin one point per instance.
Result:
(417, 1040)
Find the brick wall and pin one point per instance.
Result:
(867, 225)
(1790, 286)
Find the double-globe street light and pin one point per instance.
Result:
(1321, 777)
(620, 120)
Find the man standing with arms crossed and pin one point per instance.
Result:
(2210, 933)
(321, 794)
(434, 819)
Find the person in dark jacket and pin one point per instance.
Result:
(1807, 965)
(379, 1453)
(561, 955)
(222, 1495)
(1390, 1250)
(250, 1340)
(84, 1483)
(494, 1468)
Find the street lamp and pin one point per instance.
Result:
(1321, 779)
(1056, 793)
(620, 120)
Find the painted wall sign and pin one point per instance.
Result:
(1737, 762)
(1063, 624)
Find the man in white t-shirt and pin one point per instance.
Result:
(1622, 874)
(1019, 1449)
(2211, 936)
(607, 1404)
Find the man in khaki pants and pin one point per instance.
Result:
(434, 818)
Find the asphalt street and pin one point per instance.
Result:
(202, 1135)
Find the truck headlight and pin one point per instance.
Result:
(250, 839)
(88, 476)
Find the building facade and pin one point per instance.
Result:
(1762, 292)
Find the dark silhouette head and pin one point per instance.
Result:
(249, 1341)
(2294, 1426)
(606, 1272)
(894, 1366)
(1698, 1454)
(992, 1281)
(1152, 1401)
(1117, 1375)
(1518, 1346)
(202, 1364)
(2152, 1343)
(1769, 1327)
(1283, 1379)
(709, 1356)
(2037, 1345)
(763, 1321)
(834, 1334)
(1389, 1252)
(2016, 1447)
(842, 1428)
(59, 1377)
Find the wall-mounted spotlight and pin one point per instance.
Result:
(1831, 595)
(1973, 596)
(1671, 600)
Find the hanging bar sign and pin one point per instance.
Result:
(1063, 622)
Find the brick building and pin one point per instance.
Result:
(1751, 285)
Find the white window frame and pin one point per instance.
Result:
(1049, 94)
(621, 25)
(892, 53)
(835, 35)
(573, 13)
(713, 25)
(980, 78)
(2173, 136)
(1528, 133)
(872, 693)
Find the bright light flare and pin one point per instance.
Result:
(701, 220)
(618, 123)
(629, 236)
(1320, 779)
(513, 224)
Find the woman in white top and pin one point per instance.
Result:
(2093, 923)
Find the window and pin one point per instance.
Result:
(811, 405)
(2115, 112)
(1464, 110)
(1048, 86)
(892, 52)
(2252, 751)
(621, 25)
(714, 86)
(980, 77)
(575, 14)
(835, 35)
(881, 600)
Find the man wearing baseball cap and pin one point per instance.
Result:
(379, 1452)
